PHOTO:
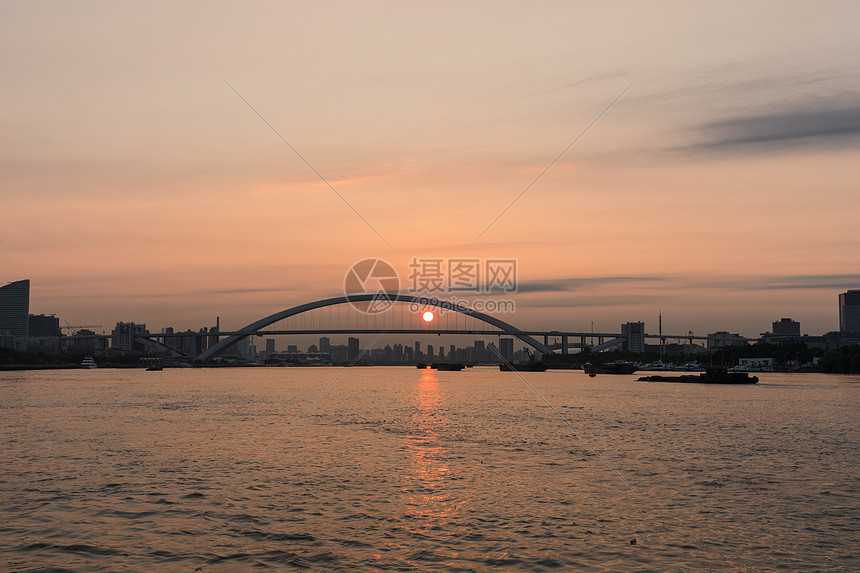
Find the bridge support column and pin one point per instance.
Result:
(546, 339)
(581, 342)
(564, 344)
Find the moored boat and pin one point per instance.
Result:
(447, 367)
(711, 375)
(88, 362)
(617, 367)
(527, 367)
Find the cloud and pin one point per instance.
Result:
(820, 125)
(792, 282)
(672, 283)
(594, 301)
(572, 284)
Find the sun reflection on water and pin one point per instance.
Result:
(429, 503)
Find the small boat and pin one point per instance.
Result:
(421, 365)
(617, 367)
(527, 367)
(711, 375)
(447, 367)
(154, 368)
(88, 362)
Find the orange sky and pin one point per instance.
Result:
(721, 188)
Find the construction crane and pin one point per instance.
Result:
(71, 327)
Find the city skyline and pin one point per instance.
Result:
(718, 190)
(850, 297)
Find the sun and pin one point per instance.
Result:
(427, 316)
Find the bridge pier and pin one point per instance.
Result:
(564, 344)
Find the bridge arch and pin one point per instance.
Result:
(254, 327)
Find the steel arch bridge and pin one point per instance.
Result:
(254, 327)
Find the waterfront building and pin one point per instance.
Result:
(722, 339)
(635, 333)
(507, 348)
(84, 341)
(478, 352)
(270, 346)
(124, 333)
(15, 309)
(786, 327)
(493, 352)
(352, 344)
(325, 344)
(849, 312)
(43, 326)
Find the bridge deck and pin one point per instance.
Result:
(550, 334)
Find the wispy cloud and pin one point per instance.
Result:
(753, 106)
(814, 126)
(574, 284)
(597, 301)
(792, 282)
(584, 287)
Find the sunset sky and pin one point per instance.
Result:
(722, 188)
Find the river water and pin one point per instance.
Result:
(402, 469)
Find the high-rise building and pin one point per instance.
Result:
(506, 346)
(786, 327)
(124, 333)
(354, 350)
(15, 308)
(478, 352)
(493, 353)
(635, 333)
(849, 311)
(214, 331)
(43, 326)
(325, 344)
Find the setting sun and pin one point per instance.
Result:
(427, 316)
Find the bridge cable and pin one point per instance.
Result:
(318, 174)
(553, 162)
